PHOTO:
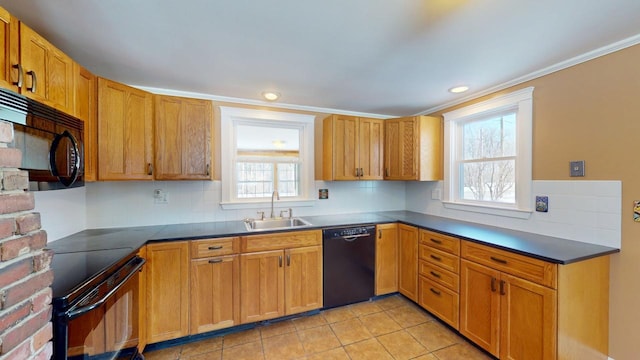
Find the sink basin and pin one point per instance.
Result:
(274, 224)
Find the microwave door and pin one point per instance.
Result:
(65, 158)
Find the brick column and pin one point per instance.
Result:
(25, 274)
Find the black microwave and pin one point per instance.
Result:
(50, 140)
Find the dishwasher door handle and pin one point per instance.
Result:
(354, 237)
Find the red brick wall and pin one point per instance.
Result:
(25, 275)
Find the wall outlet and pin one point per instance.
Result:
(160, 197)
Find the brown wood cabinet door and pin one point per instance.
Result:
(60, 80)
(125, 125)
(183, 138)
(528, 320)
(386, 258)
(480, 305)
(215, 293)
(33, 58)
(401, 147)
(9, 40)
(345, 147)
(261, 286)
(303, 279)
(371, 148)
(408, 258)
(86, 108)
(167, 293)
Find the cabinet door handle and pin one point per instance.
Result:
(208, 170)
(435, 274)
(20, 76)
(386, 172)
(280, 261)
(435, 291)
(379, 233)
(215, 261)
(150, 169)
(361, 172)
(437, 258)
(288, 259)
(493, 284)
(436, 241)
(498, 260)
(34, 81)
(216, 247)
(502, 291)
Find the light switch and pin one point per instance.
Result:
(577, 168)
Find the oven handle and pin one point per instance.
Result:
(353, 237)
(53, 161)
(74, 313)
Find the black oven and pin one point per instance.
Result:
(50, 140)
(95, 304)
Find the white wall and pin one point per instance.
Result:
(587, 211)
(131, 203)
(62, 212)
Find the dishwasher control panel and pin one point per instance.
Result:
(348, 232)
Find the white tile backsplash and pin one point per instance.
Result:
(587, 211)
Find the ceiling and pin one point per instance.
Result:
(389, 58)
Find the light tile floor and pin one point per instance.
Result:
(388, 328)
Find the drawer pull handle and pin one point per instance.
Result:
(502, 291)
(436, 258)
(436, 241)
(435, 291)
(501, 261)
(215, 261)
(493, 284)
(216, 247)
(435, 274)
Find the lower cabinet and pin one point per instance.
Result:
(167, 282)
(408, 261)
(280, 282)
(386, 280)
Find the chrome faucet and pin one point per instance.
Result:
(277, 196)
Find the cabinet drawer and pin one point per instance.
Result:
(280, 241)
(440, 258)
(539, 271)
(439, 241)
(439, 300)
(439, 275)
(214, 247)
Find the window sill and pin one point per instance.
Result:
(489, 210)
(261, 204)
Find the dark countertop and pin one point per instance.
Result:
(555, 250)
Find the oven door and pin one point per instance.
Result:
(104, 323)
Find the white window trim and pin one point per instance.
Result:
(523, 101)
(231, 115)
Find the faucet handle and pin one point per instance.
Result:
(261, 213)
(290, 211)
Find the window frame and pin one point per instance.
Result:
(522, 102)
(230, 117)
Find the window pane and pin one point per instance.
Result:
(265, 138)
(488, 181)
(255, 180)
(288, 179)
(489, 138)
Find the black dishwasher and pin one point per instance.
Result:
(349, 257)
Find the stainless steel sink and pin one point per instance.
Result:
(274, 224)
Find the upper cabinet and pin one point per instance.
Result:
(125, 128)
(183, 138)
(86, 103)
(413, 149)
(47, 71)
(32, 66)
(352, 148)
(9, 39)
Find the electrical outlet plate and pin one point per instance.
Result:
(542, 203)
(160, 196)
(576, 168)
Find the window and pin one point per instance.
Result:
(264, 151)
(488, 156)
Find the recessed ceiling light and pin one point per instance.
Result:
(270, 95)
(458, 89)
